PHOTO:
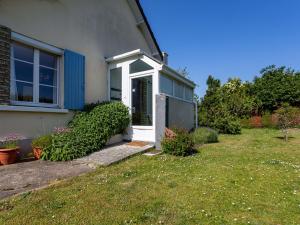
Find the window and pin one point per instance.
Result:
(139, 66)
(189, 95)
(142, 101)
(178, 89)
(116, 84)
(166, 85)
(33, 75)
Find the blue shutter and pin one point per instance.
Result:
(74, 80)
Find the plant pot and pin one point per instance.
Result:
(37, 152)
(8, 156)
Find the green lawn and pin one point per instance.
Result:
(253, 178)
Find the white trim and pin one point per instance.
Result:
(36, 76)
(9, 108)
(180, 99)
(142, 127)
(164, 68)
(35, 43)
(124, 56)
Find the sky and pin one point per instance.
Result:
(226, 38)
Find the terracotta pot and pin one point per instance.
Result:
(37, 152)
(8, 156)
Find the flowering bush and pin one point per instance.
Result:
(10, 140)
(180, 144)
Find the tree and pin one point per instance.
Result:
(286, 117)
(184, 72)
(276, 86)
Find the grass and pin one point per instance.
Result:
(253, 178)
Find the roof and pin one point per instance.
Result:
(149, 27)
(163, 67)
(143, 24)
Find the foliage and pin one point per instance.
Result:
(276, 86)
(205, 135)
(42, 142)
(222, 106)
(286, 117)
(10, 141)
(227, 125)
(252, 178)
(257, 100)
(90, 106)
(180, 145)
(89, 132)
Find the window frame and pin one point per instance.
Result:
(109, 83)
(36, 72)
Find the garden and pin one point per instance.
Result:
(252, 178)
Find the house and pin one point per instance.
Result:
(57, 55)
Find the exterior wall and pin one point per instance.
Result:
(31, 124)
(96, 29)
(181, 114)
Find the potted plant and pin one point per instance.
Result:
(9, 148)
(39, 144)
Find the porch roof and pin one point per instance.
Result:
(163, 67)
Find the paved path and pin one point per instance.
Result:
(113, 154)
(26, 176)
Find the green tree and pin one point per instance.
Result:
(276, 86)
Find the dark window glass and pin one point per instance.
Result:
(23, 71)
(47, 76)
(142, 101)
(47, 59)
(23, 52)
(139, 66)
(47, 94)
(24, 92)
(116, 84)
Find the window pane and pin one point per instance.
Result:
(166, 85)
(23, 52)
(139, 66)
(24, 92)
(47, 76)
(47, 59)
(23, 71)
(178, 90)
(47, 94)
(116, 84)
(189, 94)
(142, 101)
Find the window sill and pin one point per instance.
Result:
(11, 108)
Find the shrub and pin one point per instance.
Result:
(89, 132)
(180, 145)
(42, 142)
(245, 123)
(205, 135)
(90, 106)
(227, 125)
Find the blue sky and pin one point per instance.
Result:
(226, 38)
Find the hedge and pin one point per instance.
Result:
(89, 132)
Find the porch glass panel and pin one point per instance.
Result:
(142, 108)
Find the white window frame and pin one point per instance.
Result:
(37, 46)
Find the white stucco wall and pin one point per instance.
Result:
(94, 28)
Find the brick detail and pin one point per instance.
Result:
(5, 40)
